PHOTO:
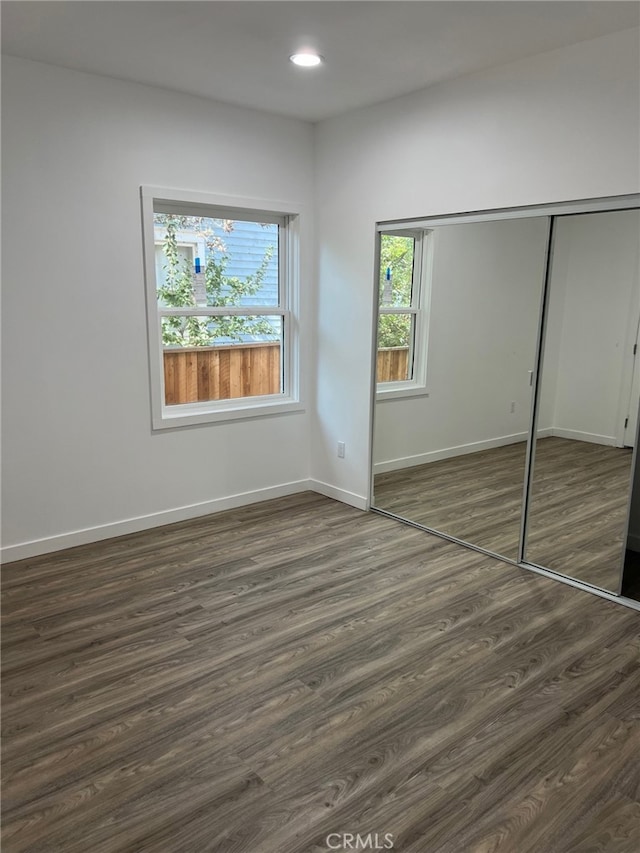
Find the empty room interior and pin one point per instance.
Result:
(320, 393)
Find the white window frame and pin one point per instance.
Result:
(423, 249)
(287, 215)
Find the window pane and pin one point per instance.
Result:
(396, 270)
(395, 336)
(215, 262)
(185, 253)
(221, 358)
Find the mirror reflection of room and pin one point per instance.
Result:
(458, 326)
(589, 394)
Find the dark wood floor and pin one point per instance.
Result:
(256, 680)
(578, 510)
(579, 505)
(476, 497)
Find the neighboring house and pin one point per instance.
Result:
(245, 246)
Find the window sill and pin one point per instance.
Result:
(192, 414)
(399, 391)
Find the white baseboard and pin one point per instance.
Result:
(448, 452)
(34, 548)
(476, 446)
(342, 495)
(577, 435)
(25, 550)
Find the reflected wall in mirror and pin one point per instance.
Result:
(450, 429)
(588, 399)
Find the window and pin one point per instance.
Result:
(402, 313)
(221, 293)
(186, 246)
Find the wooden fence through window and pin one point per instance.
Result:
(193, 374)
(221, 373)
(393, 364)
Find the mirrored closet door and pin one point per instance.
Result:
(588, 401)
(505, 410)
(450, 450)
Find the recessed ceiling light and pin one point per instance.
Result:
(306, 60)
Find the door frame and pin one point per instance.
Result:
(552, 210)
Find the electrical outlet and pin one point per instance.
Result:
(341, 449)
(513, 406)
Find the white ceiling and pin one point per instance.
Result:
(238, 51)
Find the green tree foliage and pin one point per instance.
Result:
(396, 252)
(221, 290)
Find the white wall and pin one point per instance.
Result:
(487, 282)
(595, 270)
(483, 321)
(563, 125)
(78, 447)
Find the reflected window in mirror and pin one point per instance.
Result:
(402, 313)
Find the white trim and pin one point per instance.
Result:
(342, 495)
(236, 205)
(423, 248)
(154, 338)
(544, 432)
(288, 215)
(565, 208)
(224, 213)
(577, 435)
(399, 390)
(100, 532)
(487, 444)
(399, 311)
(88, 535)
(206, 311)
(242, 408)
(289, 293)
(449, 452)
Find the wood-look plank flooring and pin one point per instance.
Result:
(259, 679)
(579, 505)
(476, 497)
(578, 509)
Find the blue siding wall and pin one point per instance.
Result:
(246, 246)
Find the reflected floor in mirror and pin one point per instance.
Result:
(476, 497)
(578, 510)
